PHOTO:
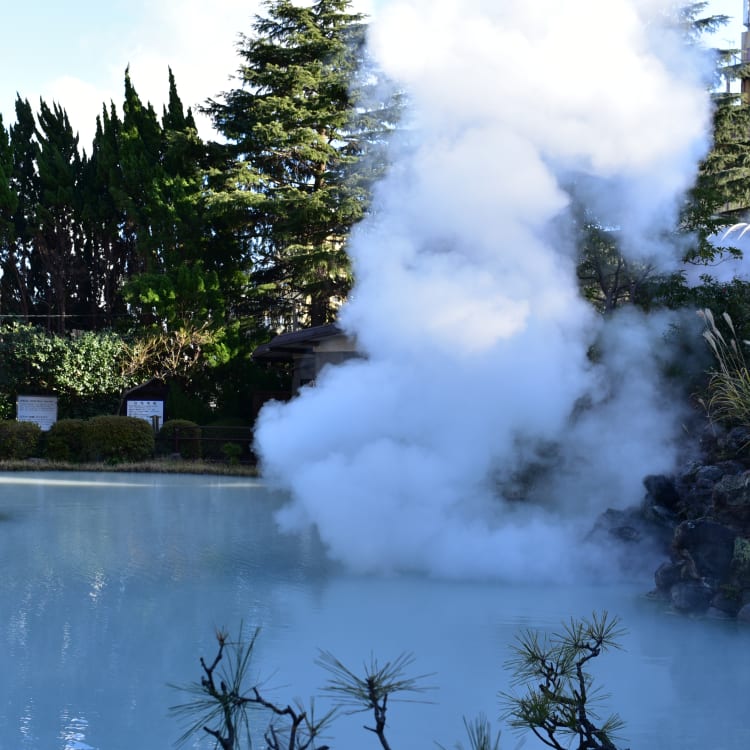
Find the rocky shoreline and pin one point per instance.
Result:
(698, 522)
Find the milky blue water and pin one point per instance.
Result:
(112, 586)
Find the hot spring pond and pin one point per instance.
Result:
(112, 586)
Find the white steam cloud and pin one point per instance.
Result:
(467, 306)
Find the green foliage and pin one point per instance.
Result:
(232, 381)
(183, 404)
(304, 145)
(224, 705)
(232, 452)
(480, 735)
(84, 370)
(558, 705)
(180, 436)
(188, 295)
(559, 701)
(19, 440)
(729, 384)
(222, 701)
(65, 440)
(373, 691)
(116, 439)
(221, 432)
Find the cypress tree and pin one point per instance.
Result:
(59, 243)
(8, 204)
(22, 266)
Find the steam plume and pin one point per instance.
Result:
(466, 303)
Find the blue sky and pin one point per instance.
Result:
(76, 52)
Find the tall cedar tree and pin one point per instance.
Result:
(302, 135)
(109, 250)
(58, 245)
(176, 280)
(8, 204)
(20, 271)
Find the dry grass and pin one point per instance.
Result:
(155, 466)
(729, 384)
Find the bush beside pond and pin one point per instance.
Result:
(115, 439)
(65, 440)
(19, 440)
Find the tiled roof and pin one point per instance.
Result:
(281, 346)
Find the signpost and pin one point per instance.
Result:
(151, 411)
(41, 410)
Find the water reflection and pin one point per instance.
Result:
(73, 733)
(111, 590)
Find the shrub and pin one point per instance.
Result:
(729, 384)
(180, 435)
(232, 452)
(83, 369)
(115, 439)
(19, 439)
(220, 432)
(65, 440)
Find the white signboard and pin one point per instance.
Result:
(146, 410)
(39, 409)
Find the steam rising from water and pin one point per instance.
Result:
(467, 306)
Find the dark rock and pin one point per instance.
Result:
(707, 508)
(626, 533)
(731, 498)
(661, 491)
(634, 543)
(661, 516)
(667, 574)
(741, 563)
(706, 546)
(691, 596)
(633, 527)
(708, 475)
(732, 467)
(718, 614)
(744, 614)
(725, 603)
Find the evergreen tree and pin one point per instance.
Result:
(300, 133)
(8, 204)
(718, 197)
(62, 282)
(721, 193)
(138, 191)
(109, 250)
(176, 283)
(21, 275)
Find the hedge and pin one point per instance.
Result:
(19, 440)
(65, 440)
(116, 439)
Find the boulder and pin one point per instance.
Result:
(731, 499)
(741, 562)
(667, 575)
(661, 491)
(706, 546)
(725, 603)
(744, 614)
(737, 441)
(691, 596)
